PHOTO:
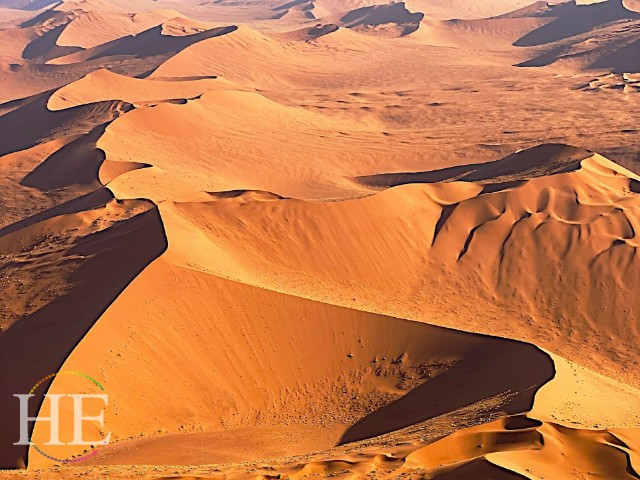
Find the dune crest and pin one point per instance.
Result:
(392, 19)
(593, 36)
(102, 86)
(97, 27)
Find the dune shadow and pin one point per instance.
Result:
(38, 344)
(377, 15)
(479, 469)
(35, 5)
(77, 163)
(508, 172)
(293, 4)
(623, 60)
(46, 46)
(151, 43)
(501, 368)
(30, 122)
(94, 199)
(573, 20)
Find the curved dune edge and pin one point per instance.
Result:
(103, 85)
(405, 356)
(525, 441)
(566, 168)
(247, 378)
(96, 27)
(453, 230)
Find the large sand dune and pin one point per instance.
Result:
(323, 238)
(601, 35)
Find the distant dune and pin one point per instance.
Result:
(595, 36)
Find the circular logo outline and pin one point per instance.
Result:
(91, 453)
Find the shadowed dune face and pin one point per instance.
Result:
(395, 14)
(88, 247)
(602, 35)
(573, 20)
(538, 161)
(480, 233)
(464, 386)
(96, 28)
(150, 43)
(102, 86)
(337, 367)
(32, 123)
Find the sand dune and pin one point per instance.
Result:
(625, 83)
(299, 10)
(34, 123)
(97, 27)
(594, 36)
(102, 86)
(209, 128)
(456, 238)
(246, 57)
(116, 239)
(155, 42)
(243, 388)
(310, 33)
(393, 19)
(529, 448)
(571, 20)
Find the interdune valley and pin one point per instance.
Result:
(338, 239)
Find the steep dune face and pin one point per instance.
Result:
(297, 11)
(571, 20)
(61, 284)
(393, 19)
(96, 27)
(398, 376)
(102, 86)
(61, 235)
(310, 33)
(30, 122)
(247, 378)
(572, 214)
(158, 41)
(602, 35)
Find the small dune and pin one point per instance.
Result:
(95, 28)
(393, 19)
(102, 86)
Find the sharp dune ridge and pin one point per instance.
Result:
(323, 239)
